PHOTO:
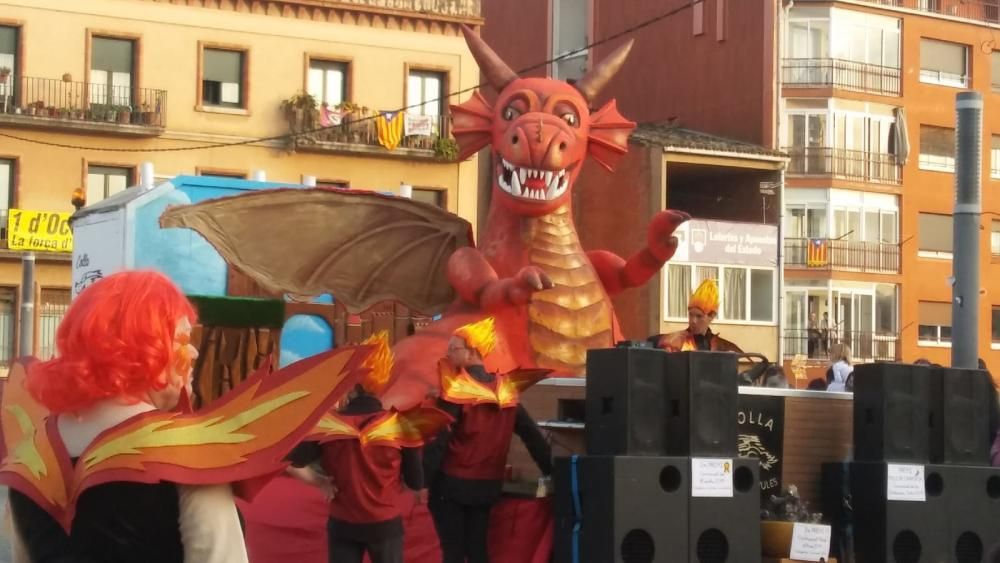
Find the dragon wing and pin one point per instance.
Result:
(361, 247)
(407, 429)
(243, 436)
(33, 464)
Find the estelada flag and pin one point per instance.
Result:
(389, 126)
(816, 253)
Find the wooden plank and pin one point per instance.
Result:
(817, 431)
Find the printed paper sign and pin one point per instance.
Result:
(711, 477)
(906, 482)
(810, 542)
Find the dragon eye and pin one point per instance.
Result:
(570, 118)
(509, 113)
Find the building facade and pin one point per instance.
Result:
(90, 90)
(860, 95)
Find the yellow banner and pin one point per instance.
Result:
(39, 231)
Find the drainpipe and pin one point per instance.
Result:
(782, 12)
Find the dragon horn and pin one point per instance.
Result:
(599, 76)
(497, 72)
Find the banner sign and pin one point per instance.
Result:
(43, 231)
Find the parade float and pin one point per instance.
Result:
(552, 302)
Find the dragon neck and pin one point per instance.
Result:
(510, 237)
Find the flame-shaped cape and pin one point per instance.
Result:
(243, 437)
(395, 429)
(462, 389)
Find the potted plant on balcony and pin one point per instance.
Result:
(301, 115)
(445, 148)
(124, 114)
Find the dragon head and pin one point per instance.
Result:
(541, 130)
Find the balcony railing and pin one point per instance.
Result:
(859, 166)
(357, 129)
(839, 73)
(866, 346)
(453, 8)
(849, 255)
(82, 103)
(987, 11)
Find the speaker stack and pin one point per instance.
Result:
(920, 487)
(661, 481)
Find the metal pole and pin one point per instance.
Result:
(968, 207)
(27, 304)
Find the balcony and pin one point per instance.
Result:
(351, 129)
(46, 103)
(842, 74)
(985, 11)
(843, 255)
(449, 8)
(853, 165)
(866, 346)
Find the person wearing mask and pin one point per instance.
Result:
(466, 463)
(110, 465)
(703, 307)
(366, 454)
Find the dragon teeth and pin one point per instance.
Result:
(556, 182)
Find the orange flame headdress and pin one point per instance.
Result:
(706, 297)
(480, 336)
(379, 362)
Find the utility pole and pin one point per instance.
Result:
(27, 340)
(968, 208)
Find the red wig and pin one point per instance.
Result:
(116, 341)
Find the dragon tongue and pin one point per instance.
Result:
(535, 184)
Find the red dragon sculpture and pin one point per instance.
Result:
(551, 298)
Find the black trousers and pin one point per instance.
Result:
(462, 530)
(383, 551)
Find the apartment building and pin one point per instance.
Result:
(860, 95)
(90, 90)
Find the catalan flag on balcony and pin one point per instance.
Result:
(389, 126)
(816, 253)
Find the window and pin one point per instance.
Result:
(223, 82)
(54, 303)
(995, 326)
(431, 196)
(944, 63)
(745, 294)
(866, 38)
(809, 39)
(425, 95)
(235, 174)
(937, 148)
(935, 235)
(934, 323)
(995, 74)
(995, 238)
(8, 316)
(105, 181)
(8, 177)
(327, 82)
(111, 71)
(342, 184)
(995, 157)
(569, 37)
(8, 59)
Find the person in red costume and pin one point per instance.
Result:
(466, 463)
(365, 450)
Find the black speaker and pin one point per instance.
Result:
(885, 531)
(640, 510)
(960, 425)
(727, 530)
(631, 509)
(971, 499)
(701, 404)
(625, 402)
(891, 414)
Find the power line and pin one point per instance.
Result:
(622, 33)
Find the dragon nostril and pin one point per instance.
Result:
(513, 140)
(562, 146)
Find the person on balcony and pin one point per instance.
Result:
(703, 307)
